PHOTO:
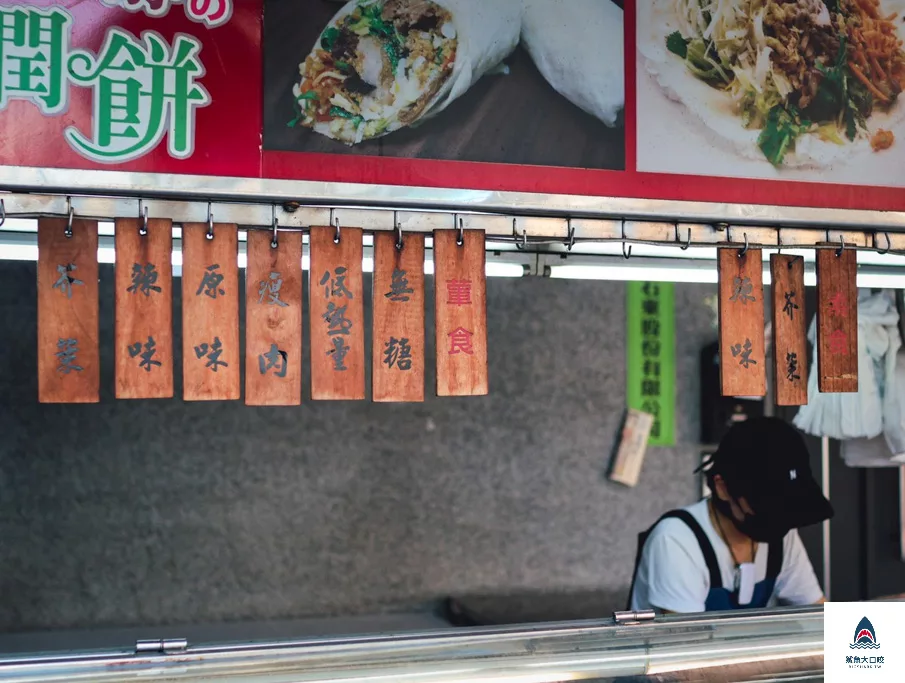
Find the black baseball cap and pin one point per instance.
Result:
(766, 461)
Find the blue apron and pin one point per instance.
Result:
(719, 599)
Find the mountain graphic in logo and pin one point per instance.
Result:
(865, 636)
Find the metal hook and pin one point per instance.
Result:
(841, 246)
(143, 210)
(687, 244)
(626, 254)
(460, 238)
(744, 250)
(3, 212)
(274, 243)
(337, 236)
(210, 221)
(68, 231)
(399, 242)
(779, 242)
(882, 252)
(571, 241)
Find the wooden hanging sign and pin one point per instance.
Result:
(461, 312)
(837, 321)
(68, 353)
(790, 345)
(397, 358)
(210, 312)
(143, 338)
(741, 311)
(336, 312)
(273, 319)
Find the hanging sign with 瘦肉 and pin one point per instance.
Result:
(143, 339)
(790, 346)
(651, 344)
(837, 321)
(336, 312)
(210, 312)
(68, 354)
(461, 312)
(741, 312)
(273, 319)
(397, 359)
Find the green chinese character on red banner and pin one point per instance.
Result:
(143, 89)
(33, 46)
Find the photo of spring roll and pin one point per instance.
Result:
(577, 45)
(382, 65)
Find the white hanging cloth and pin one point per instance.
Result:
(887, 450)
(859, 415)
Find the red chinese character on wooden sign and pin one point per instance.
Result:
(459, 292)
(838, 305)
(838, 342)
(460, 341)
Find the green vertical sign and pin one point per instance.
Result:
(651, 356)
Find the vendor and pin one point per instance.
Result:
(739, 548)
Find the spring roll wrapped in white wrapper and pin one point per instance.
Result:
(577, 45)
(381, 65)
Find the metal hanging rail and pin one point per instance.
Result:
(553, 233)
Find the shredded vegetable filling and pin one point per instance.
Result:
(376, 69)
(809, 66)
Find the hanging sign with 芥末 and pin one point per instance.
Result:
(210, 312)
(741, 312)
(397, 358)
(143, 339)
(68, 354)
(336, 313)
(837, 320)
(790, 346)
(461, 312)
(273, 319)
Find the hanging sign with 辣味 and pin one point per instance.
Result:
(741, 309)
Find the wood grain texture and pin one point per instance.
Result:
(143, 337)
(741, 304)
(790, 344)
(397, 344)
(491, 122)
(837, 321)
(460, 291)
(210, 313)
(68, 353)
(336, 311)
(273, 320)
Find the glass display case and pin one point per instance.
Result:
(757, 645)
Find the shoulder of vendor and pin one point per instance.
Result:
(673, 575)
(778, 494)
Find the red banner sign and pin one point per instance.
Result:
(746, 105)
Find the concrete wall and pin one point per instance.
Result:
(154, 512)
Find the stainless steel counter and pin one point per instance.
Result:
(761, 646)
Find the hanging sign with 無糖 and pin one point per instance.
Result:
(68, 355)
(741, 310)
(336, 313)
(651, 356)
(273, 319)
(397, 359)
(837, 321)
(461, 312)
(210, 312)
(790, 346)
(143, 339)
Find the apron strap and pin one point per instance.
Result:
(775, 553)
(713, 567)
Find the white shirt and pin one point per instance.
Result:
(672, 574)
